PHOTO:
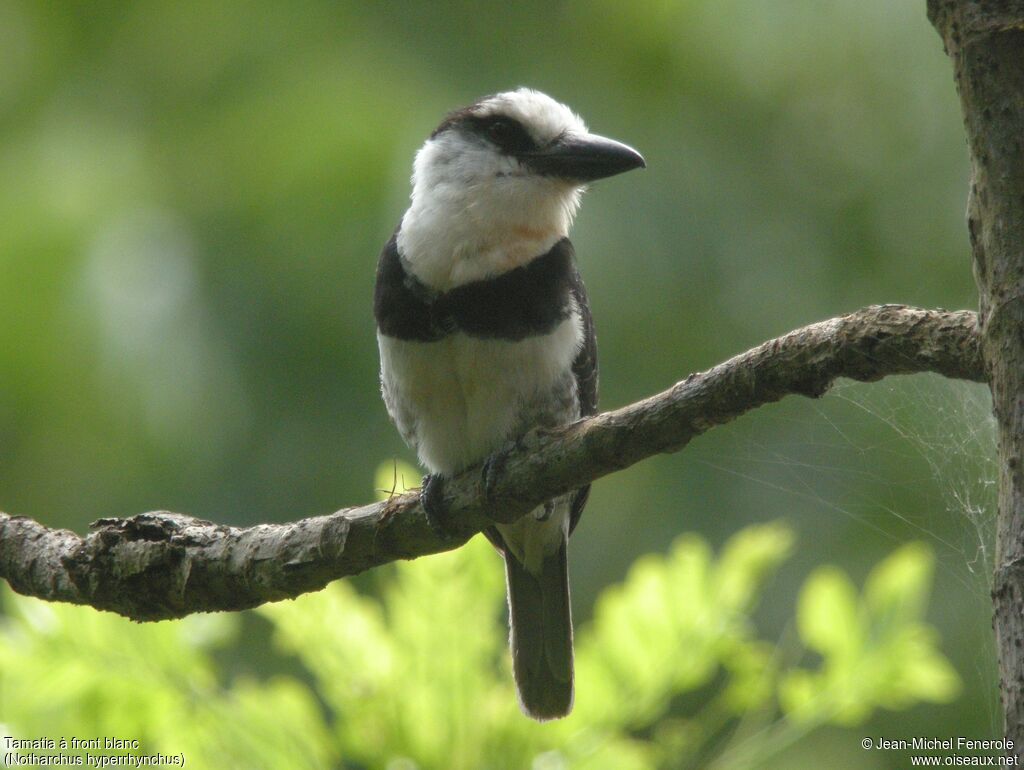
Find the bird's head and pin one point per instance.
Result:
(504, 173)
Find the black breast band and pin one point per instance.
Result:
(525, 302)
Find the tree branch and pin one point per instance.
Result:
(985, 42)
(167, 565)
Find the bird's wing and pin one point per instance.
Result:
(402, 306)
(585, 369)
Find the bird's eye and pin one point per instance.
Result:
(507, 134)
(501, 131)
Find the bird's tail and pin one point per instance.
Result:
(541, 634)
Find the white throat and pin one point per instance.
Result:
(474, 215)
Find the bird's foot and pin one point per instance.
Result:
(432, 498)
(543, 513)
(491, 472)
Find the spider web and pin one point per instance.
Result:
(907, 456)
(949, 425)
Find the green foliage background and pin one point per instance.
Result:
(195, 193)
(419, 678)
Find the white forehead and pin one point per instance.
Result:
(539, 114)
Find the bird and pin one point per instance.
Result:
(485, 332)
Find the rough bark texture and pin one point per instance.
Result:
(166, 565)
(985, 41)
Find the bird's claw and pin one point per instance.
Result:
(491, 472)
(432, 499)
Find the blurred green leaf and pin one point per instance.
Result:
(827, 613)
(898, 586)
(673, 624)
(876, 649)
(77, 671)
(413, 675)
(272, 724)
(747, 560)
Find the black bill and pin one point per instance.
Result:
(583, 158)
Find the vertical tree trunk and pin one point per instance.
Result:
(985, 40)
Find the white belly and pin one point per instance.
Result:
(459, 399)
